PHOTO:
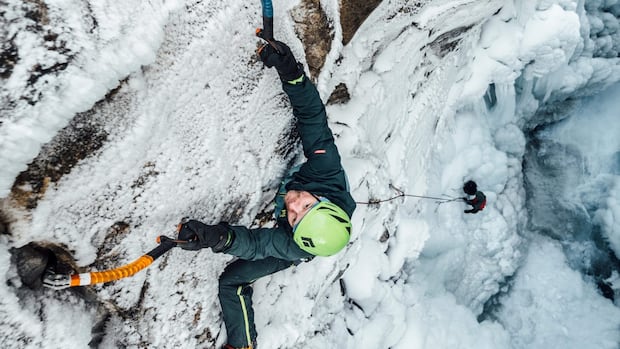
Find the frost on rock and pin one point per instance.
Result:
(58, 59)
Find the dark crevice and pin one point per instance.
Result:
(352, 14)
(340, 95)
(448, 42)
(95, 23)
(37, 12)
(38, 71)
(4, 224)
(9, 56)
(494, 304)
(33, 260)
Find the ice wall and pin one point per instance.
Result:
(571, 158)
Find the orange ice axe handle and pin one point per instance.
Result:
(60, 281)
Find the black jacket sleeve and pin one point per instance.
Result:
(253, 244)
(322, 173)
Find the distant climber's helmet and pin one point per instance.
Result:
(324, 230)
(470, 188)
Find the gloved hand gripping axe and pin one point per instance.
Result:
(266, 33)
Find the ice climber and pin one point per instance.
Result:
(313, 209)
(474, 197)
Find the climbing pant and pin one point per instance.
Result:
(236, 296)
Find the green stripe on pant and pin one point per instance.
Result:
(246, 321)
(235, 293)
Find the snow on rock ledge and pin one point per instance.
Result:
(67, 59)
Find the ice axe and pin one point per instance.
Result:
(266, 33)
(62, 281)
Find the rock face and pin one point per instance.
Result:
(340, 95)
(316, 30)
(352, 15)
(31, 262)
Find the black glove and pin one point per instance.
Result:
(283, 61)
(196, 235)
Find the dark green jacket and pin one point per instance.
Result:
(321, 174)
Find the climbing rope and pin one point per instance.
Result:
(62, 281)
(439, 200)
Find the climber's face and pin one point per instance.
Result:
(298, 203)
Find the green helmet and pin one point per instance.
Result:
(324, 230)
